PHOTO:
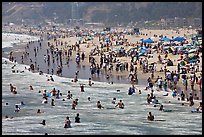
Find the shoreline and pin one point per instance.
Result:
(118, 78)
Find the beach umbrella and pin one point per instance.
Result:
(143, 50)
(148, 41)
(165, 39)
(179, 39)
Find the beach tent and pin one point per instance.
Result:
(179, 39)
(165, 39)
(147, 40)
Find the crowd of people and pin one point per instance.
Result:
(59, 53)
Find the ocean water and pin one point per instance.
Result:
(11, 39)
(130, 120)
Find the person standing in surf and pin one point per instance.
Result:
(67, 123)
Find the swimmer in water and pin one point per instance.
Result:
(13, 89)
(74, 104)
(82, 87)
(31, 87)
(161, 108)
(17, 108)
(114, 100)
(51, 78)
(120, 104)
(90, 84)
(39, 111)
(43, 122)
(150, 117)
(22, 103)
(69, 95)
(76, 100)
(67, 123)
(77, 118)
(44, 100)
(99, 105)
(52, 102)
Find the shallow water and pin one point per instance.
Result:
(131, 120)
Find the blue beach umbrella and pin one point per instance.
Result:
(165, 39)
(148, 41)
(179, 39)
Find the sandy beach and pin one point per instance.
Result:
(88, 46)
